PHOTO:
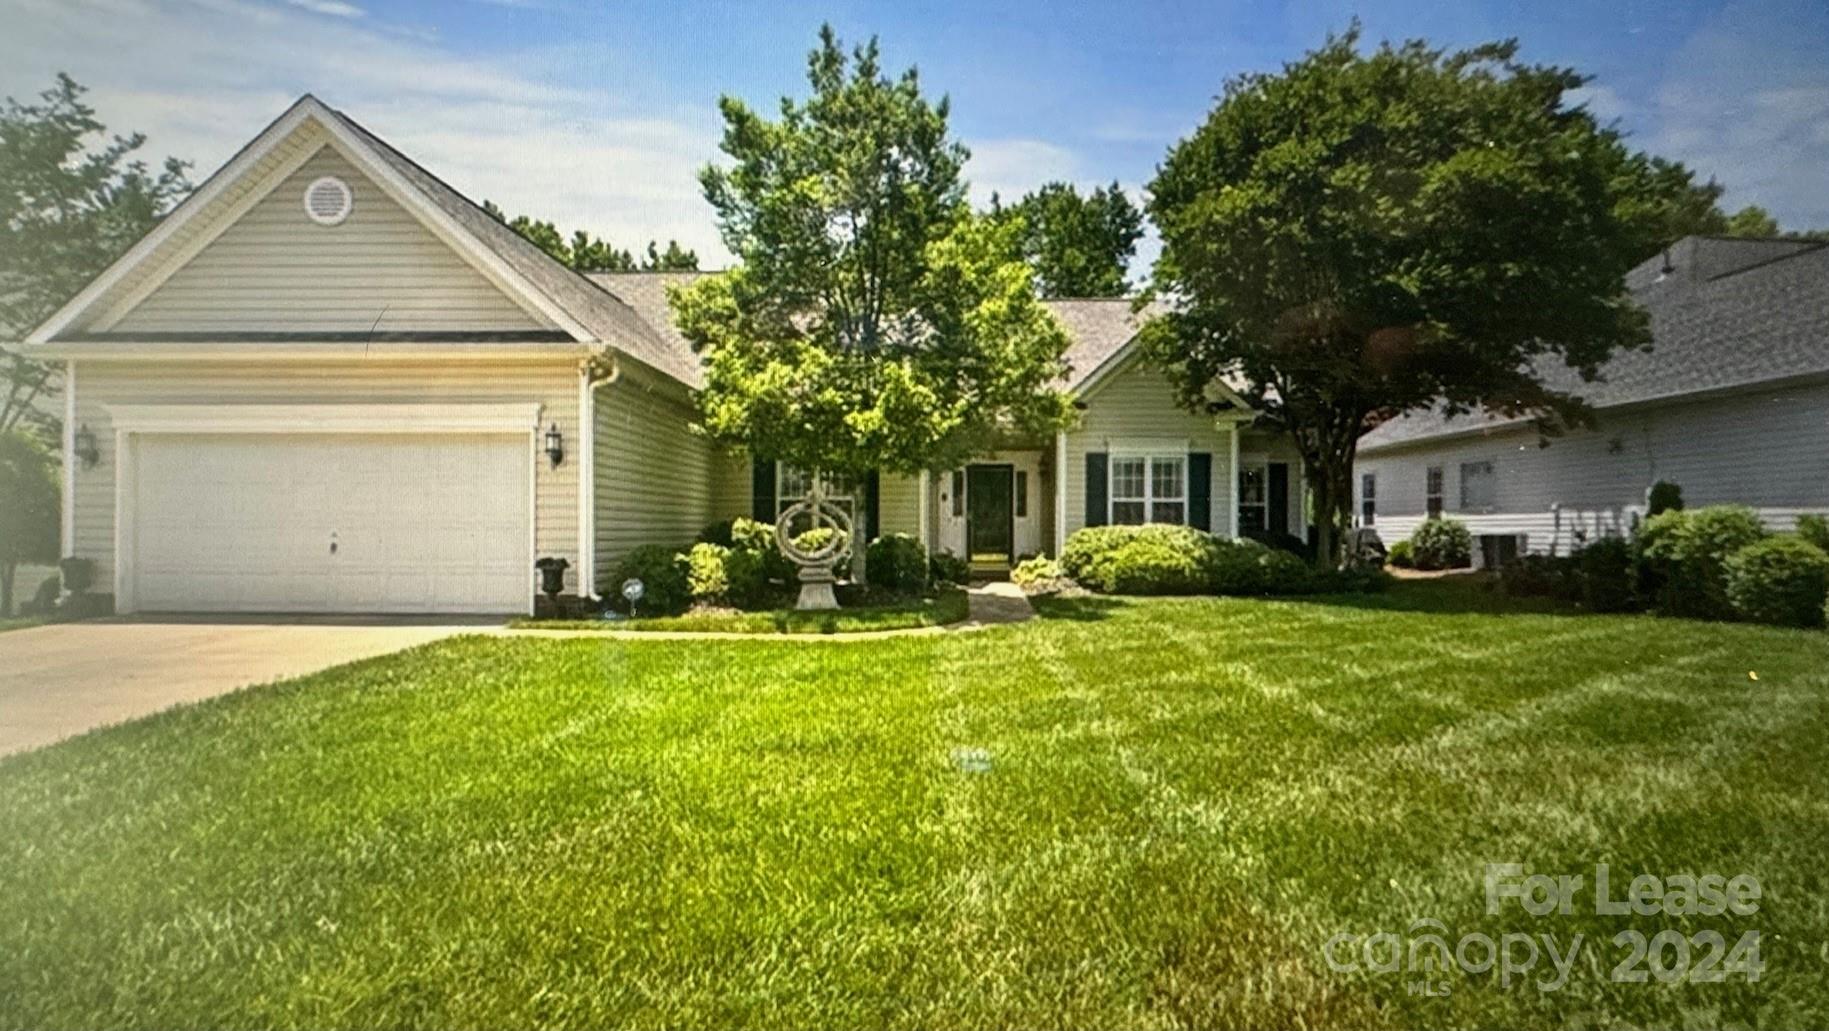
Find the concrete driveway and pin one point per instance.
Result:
(63, 679)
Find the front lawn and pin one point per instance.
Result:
(1125, 814)
(948, 606)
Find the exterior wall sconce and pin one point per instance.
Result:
(86, 450)
(555, 445)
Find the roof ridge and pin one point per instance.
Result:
(1810, 247)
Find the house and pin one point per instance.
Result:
(329, 382)
(1731, 404)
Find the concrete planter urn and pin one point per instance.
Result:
(816, 577)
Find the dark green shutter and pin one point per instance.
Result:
(1277, 488)
(873, 509)
(762, 491)
(1200, 490)
(1096, 486)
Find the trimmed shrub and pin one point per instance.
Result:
(1604, 572)
(1782, 580)
(1036, 572)
(1284, 542)
(1541, 576)
(1815, 529)
(78, 574)
(1350, 580)
(1442, 544)
(1683, 556)
(1402, 555)
(662, 572)
(1663, 496)
(1157, 558)
(718, 533)
(896, 562)
(706, 580)
(44, 600)
(947, 568)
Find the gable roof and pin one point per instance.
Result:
(587, 313)
(1725, 314)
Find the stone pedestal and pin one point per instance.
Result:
(816, 588)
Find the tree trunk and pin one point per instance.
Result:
(1333, 480)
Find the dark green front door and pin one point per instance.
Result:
(989, 516)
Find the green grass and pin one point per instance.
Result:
(20, 622)
(947, 607)
(1184, 800)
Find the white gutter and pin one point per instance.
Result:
(588, 383)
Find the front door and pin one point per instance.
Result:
(990, 529)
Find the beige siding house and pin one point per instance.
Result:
(330, 383)
(1731, 404)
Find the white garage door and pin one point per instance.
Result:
(331, 523)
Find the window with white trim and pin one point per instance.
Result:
(1368, 499)
(1148, 489)
(1433, 495)
(1253, 497)
(1479, 487)
(791, 487)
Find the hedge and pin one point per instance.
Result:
(1782, 580)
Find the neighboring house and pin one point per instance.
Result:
(1731, 404)
(329, 382)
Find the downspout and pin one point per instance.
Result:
(1060, 492)
(924, 491)
(591, 375)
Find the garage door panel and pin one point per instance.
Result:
(246, 523)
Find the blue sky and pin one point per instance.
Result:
(597, 114)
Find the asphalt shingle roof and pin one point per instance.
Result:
(1725, 313)
(601, 313)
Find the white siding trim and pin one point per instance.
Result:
(67, 526)
(511, 417)
(1060, 492)
(921, 493)
(1231, 484)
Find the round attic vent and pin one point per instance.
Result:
(328, 200)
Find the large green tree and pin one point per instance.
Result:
(587, 253)
(71, 200)
(1080, 245)
(1365, 234)
(28, 508)
(873, 321)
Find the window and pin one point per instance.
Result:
(1434, 501)
(1368, 499)
(1022, 494)
(1479, 487)
(1253, 499)
(1149, 489)
(791, 486)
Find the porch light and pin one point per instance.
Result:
(555, 445)
(86, 451)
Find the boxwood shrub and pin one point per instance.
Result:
(1442, 544)
(1157, 558)
(896, 562)
(1402, 555)
(1683, 554)
(947, 568)
(1782, 580)
(662, 572)
(1604, 574)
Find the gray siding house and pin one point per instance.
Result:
(1731, 404)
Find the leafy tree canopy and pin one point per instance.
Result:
(873, 321)
(28, 509)
(71, 200)
(587, 253)
(1362, 234)
(1080, 246)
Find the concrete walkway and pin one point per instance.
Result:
(65, 678)
(987, 605)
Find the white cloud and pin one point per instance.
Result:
(333, 8)
(202, 77)
(1746, 100)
